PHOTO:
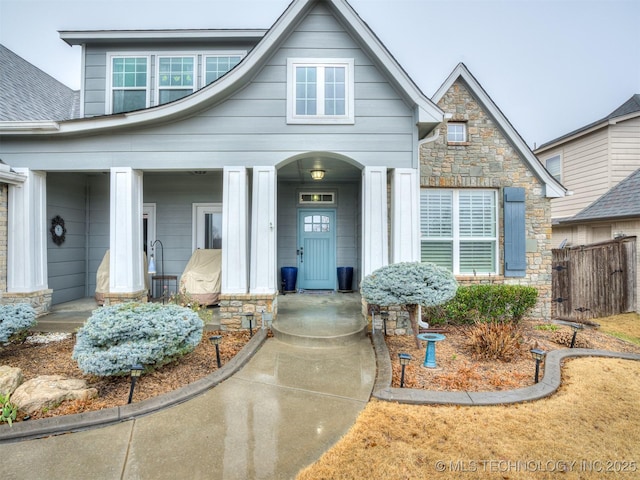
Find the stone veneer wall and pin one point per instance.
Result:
(232, 306)
(488, 160)
(116, 298)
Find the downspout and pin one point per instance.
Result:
(432, 137)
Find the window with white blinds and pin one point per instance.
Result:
(459, 229)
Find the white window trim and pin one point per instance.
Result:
(194, 73)
(109, 89)
(223, 53)
(456, 238)
(153, 65)
(465, 132)
(347, 118)
(199, 210)
(551, 157)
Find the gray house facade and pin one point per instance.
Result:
(295, 146)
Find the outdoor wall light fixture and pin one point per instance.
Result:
(405, 358)
(575, 327)
(538, 355)
(317, 174)
(136, 371)
(215, 339)
(152, 266)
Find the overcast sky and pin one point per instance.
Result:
(551, 66)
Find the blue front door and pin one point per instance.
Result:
(317, 249)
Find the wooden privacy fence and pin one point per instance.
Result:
(597, 280)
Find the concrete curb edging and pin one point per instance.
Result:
(81, 421)
(548, 385)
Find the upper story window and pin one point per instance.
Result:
(456, 132)
(320, 91)
(145, 79)
(129, 83)
(554, 166)
(217, 66)
(459, 229)
(176, 78)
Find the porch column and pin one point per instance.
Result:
(375, 250)
(27, 234)
(126, 267)
(263, 231)
(405, 215)
(234, 228)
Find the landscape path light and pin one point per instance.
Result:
(215, 339)
(575, 327)
(136, 371)
(538, 355)
(405, 358)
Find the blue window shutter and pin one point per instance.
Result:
(515, 255)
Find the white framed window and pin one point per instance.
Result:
(459, 229)
(129, 83)
(176, 78)
(216, 66)
(554, 166)
(320, 91)
(456, 132)
(207, 225)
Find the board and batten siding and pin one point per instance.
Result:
(67, 264)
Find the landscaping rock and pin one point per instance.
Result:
(50, 390)
(10, 378)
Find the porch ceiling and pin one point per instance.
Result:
(336, 171)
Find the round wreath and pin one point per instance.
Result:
(57, 230)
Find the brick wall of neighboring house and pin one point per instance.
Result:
(4, 193)
(488, 160)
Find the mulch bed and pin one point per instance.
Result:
(55, 359)
(458, 370)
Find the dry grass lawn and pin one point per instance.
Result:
(625, 327)
(589, 429)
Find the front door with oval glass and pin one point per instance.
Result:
(316, 249)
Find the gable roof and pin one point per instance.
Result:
(621, 201)
(428, 115)
(27, 93)
(629, 109)
(553, 188)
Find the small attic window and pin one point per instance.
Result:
(456, 132)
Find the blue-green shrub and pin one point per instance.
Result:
(15, 319)
(116, 337)
(490, 303)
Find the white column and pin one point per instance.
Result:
(234, 230)
(263, 231)
(126, 267)
(27, 234)
(405, 215)
(375, 250)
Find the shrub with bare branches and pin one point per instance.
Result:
(494, 340)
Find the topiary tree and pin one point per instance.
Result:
(15, 320)
(409, 285)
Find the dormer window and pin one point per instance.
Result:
(320, 91)
(129, 83)
(176, 78)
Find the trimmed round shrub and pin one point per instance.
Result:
(116, 337)
(15, 320)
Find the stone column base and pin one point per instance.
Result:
(40, 300)
(115, 298)
(233, 305)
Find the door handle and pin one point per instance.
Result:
(300, 252)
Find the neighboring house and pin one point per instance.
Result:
(599, 164)
(304, 145)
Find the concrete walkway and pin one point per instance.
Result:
(276, 415)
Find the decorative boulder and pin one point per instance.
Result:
(10, 379)
(50, 390)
